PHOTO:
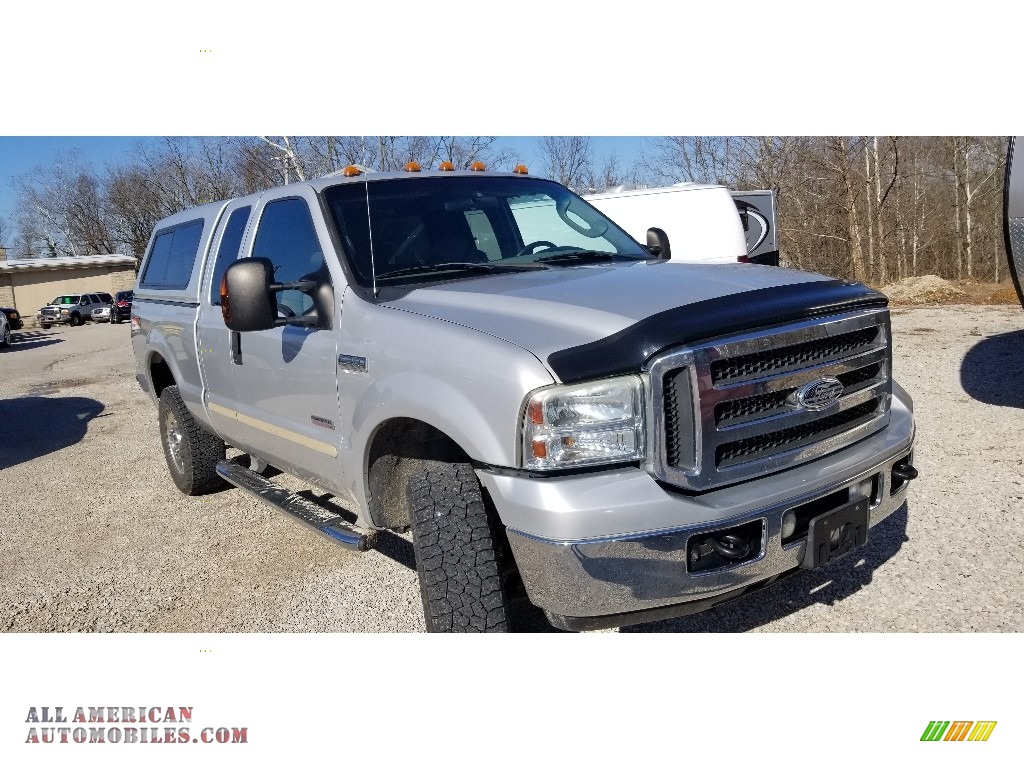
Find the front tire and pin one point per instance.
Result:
(76, 320)
(459, 551)
(191, 452)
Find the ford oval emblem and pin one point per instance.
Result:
(820, 394)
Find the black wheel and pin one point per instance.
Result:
(191, 452)
(45, 326)
(459, 549)
(114, 320)
(76, 319)
(5, 339)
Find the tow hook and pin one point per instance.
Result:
(725, 548)
(904, 472)
(730, 546)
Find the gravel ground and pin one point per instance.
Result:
(97, 538)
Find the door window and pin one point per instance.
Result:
(227, 252)
(287, 238)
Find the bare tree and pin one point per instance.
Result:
(62, 210)
(568, 160)
(703, 159)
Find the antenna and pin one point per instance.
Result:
(369, 224)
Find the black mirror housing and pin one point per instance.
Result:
(246, 299)
(657, 243)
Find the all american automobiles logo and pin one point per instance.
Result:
(124, 725)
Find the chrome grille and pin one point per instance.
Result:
(794, 437)
(730, 409)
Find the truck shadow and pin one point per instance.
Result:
(37, 426)
(826, 586)
(24, 340)
(992, 371)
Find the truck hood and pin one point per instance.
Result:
(563, 307)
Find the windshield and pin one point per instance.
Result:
(417, 229)
(66, 300)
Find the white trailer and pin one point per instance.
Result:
(705, 223)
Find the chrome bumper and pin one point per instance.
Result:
(609, 581)
(600, 579)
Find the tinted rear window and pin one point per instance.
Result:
(173, 255)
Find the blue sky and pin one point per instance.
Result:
(21, 154)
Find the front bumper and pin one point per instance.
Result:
(53, 319)
(610, 579)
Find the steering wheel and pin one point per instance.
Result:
(529, 247)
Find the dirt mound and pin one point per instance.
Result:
(927, 289)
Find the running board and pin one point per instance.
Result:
(319, 518)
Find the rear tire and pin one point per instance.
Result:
(191, 452)
(459, 551)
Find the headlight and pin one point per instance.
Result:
(575, 425)
(65, 311)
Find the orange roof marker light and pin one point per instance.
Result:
(477, 165)
(412, 167)
(351, 170)
(446, 166)
(520, 169)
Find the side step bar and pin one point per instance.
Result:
(320, 519)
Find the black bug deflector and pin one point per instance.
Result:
(627, 350)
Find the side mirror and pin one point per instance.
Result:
(657, 243)
(247, 297)
(246, 301)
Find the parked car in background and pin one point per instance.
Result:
(101, 314)
(72, 309)
(13, 318)
(121, 308)
(5, 331)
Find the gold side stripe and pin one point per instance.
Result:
(320, 447)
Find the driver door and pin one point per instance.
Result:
(275, 392)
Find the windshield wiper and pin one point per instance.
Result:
(584, 256)
(468, 266)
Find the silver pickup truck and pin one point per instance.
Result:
(555, 410)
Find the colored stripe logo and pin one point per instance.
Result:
(958, 730)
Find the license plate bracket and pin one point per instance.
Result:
(833, 534)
